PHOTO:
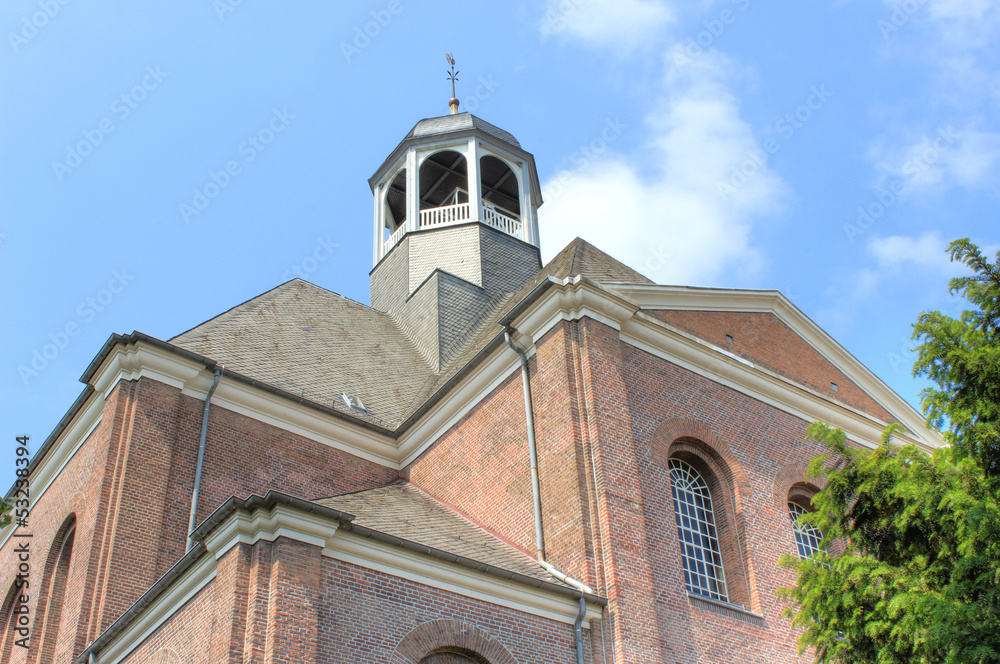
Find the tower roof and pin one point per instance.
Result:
(447, 124)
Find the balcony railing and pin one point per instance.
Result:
(440, 216)
(396, 236)
(457, 214)
(500, 221)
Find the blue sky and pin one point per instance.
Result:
(829, 150)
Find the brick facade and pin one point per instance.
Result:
(609, 417)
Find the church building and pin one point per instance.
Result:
(495, 461)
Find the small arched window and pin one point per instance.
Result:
(807, 537)
(8, 622)
(700, 553)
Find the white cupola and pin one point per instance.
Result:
(455, 228)
(455, 169)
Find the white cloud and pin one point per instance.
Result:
(661, 210)
(622, 24)
(954, 44)
(927, 252)
(900, 256)
(937, 161)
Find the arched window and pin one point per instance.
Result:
(453, 656)
(700, 554)
(50, 606)
(807, 538)
(8, 622)
(444, 189)
(395, 203)
(500, 190)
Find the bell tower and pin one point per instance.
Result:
(455, 228)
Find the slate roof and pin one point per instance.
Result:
(406, 512)
(317, 344)
(447, 124)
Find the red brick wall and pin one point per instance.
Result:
(313, 609)
(480, 466)
(750, 443)
(130, 488)
(765, 340)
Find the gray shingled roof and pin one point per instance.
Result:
(317, 344)
(447, 124)
(406, 512)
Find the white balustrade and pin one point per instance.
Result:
(498, 220)
(394, 238)
(455, 214)
(440, 216)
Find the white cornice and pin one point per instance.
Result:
(269, 523)
(576, 298)
(462, 398)
(773, 302)
(395, 561)
(571, 299)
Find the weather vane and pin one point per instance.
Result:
(453, 76)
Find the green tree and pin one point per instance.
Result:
(913, 570)
(962, 358)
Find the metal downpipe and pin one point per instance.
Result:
(537, 495)
(201, 458)
(536, 492)
(578, 630)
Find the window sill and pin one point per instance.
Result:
(726, 609)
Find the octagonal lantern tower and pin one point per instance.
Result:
(456, 229)
(455, 169)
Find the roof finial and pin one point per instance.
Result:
(453, 75)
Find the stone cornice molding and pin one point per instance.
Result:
(276, 515)
(773, 302)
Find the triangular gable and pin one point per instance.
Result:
(771, 333)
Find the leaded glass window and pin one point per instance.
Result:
(700, 554)
(807, 538)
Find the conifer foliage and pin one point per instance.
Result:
(911, 568)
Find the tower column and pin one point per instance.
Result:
(475, 185)
(529, 228)
(379, 226)
(412, 192)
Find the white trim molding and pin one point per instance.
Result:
(267, 524)
(773, 302)
(572, 299)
